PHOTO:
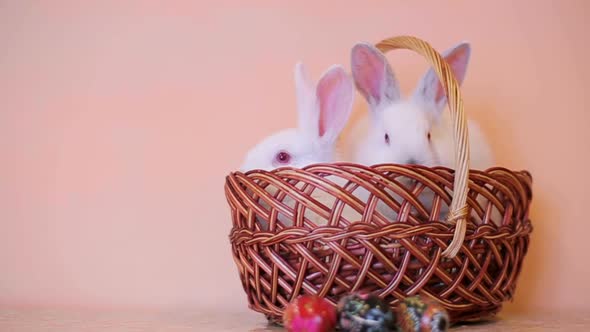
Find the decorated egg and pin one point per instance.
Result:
(364, 312)
(421, 314)
(309, 313)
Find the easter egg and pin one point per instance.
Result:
(364, 312)
(309, 313)
(421, 314)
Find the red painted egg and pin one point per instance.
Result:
(309, 313)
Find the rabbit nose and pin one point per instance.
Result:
(412, 161)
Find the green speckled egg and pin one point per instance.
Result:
(365, 312)
(417, 314)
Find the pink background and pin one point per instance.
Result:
(119, 121)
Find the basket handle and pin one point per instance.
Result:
(459, 210)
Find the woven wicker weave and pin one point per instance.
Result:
(470, 264)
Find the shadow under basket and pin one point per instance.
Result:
(454, 235)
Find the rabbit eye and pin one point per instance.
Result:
(428, 135)
(283, 157)
(386, 138)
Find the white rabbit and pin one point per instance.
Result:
(414, 130)
(323, 111)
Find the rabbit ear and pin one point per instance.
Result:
(373, 75)
(430, 87)
(334, 94)
(308, 116)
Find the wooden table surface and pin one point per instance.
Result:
(62, 320)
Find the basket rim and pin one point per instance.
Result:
(381, 165)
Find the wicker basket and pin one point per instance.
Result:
(469, 264)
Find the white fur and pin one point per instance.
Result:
(304, 143)
(408, 121)
(323, 110)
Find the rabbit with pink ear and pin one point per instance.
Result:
(323, 111)
(414, 130)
